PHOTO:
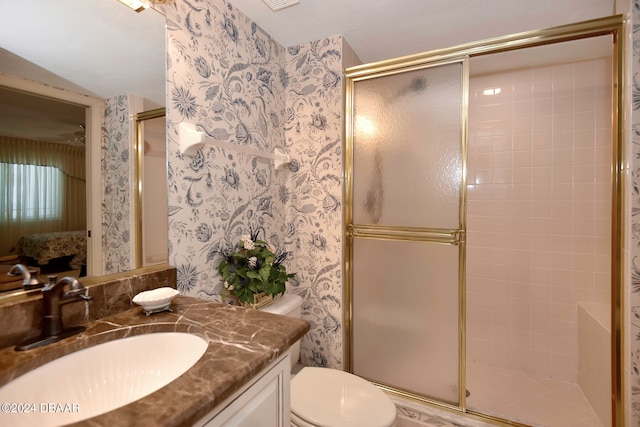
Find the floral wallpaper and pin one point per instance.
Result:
(116, 185)
(238, 85)
(313, 124)
(634, 298)
(226, 76)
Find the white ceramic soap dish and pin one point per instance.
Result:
(156, 300)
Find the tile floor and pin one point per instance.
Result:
(412, 414)
(510, 395)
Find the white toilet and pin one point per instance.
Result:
(323, 397)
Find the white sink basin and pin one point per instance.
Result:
(99, 379)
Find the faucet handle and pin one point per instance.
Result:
(77, 289)
(78, 293)
(33, 282)
(52, 283)
(84, 297)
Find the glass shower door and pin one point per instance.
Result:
(406, 229)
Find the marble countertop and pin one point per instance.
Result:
(242, 342)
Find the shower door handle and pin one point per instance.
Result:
(454, 237)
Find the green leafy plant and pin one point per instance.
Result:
(251, 267)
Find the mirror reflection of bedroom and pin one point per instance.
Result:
(43, 218)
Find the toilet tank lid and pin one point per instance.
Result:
(285, 305)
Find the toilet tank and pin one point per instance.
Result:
(288, 305)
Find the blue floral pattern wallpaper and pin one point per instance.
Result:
(116, 185)
(236, 84)
(225, 75)
(313, 123)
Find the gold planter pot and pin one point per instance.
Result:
(260, 300)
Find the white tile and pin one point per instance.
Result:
(522, 125)
(561, 85)
(585, 138)
(542, 123)
(525, 108)
(585, 102)
(522, 142)
(542, 74)
(550, 201)
(541, 90)
(563, 105)
(562, 122)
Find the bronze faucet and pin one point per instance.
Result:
(54, 297)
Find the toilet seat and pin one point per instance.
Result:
(323, 397)
(299, 422)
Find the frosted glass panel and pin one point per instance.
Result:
(155, 248)
(405, 316)
(407, 145)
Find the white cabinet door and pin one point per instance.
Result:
(262, 403)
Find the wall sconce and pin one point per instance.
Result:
(136, 5)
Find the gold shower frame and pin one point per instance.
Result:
(613, 26)
(138, 173)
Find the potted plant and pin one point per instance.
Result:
(253, 271)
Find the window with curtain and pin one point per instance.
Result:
(42, 189)
(33, 193)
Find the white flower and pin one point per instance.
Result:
(231, 287)
(253, 261)
(247, 243)
(226, 284)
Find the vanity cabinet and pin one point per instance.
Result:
(263, 402)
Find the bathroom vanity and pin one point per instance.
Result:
(242, 377)
(264, 401)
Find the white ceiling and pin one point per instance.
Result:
(384, 29)
(101, 47)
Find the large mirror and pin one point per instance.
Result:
(56, 74)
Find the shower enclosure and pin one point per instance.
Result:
(483, 215)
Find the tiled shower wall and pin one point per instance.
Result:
(538, 213)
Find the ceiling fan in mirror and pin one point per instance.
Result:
(71, 137)
(78, 137)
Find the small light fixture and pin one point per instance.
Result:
(137, 5)
(492, 91)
